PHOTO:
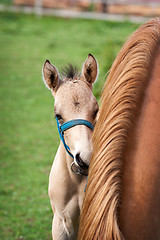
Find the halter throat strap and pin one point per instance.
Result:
(67, 125)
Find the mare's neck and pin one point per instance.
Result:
(140, 208)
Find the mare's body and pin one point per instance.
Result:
(140, 207)
(123, 193)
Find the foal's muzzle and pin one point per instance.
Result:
(77, 170)
(82, 168)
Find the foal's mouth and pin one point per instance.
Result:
(79, 166)
(79, 170)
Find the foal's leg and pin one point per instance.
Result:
(62, 228)
(58, 230)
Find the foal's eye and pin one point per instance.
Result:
(58, 116)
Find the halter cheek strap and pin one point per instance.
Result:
(61, 134)
(65, 126)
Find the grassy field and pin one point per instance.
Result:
(29, 136)
(6, 2)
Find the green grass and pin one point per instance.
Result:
(29, 136)
(6, 2)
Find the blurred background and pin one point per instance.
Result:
(138, 7)
(29, 138)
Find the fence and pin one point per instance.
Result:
(136, 7)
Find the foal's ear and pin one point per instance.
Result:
(50, 76)
(90, 69)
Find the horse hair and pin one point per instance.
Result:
(70, 71)
(121, 98)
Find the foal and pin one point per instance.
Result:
(75, 111)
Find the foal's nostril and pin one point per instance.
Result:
(80, 162)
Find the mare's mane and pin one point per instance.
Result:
(121, 99)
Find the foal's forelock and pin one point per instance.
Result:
(70, 72)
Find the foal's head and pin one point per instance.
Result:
(74, 100)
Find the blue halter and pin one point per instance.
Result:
(63, 127)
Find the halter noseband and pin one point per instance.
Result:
(72, 123)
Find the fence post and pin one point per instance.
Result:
(38, 7)
(104, 6)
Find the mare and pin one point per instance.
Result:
(122, 199)
(75, 110)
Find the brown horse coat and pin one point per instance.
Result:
(122, 200)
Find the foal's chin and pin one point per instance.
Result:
(83, 171)
(79, 170)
